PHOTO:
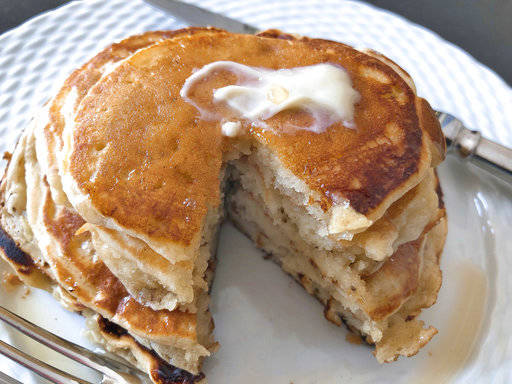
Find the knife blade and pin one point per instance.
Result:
(201, 17)
(467, 144)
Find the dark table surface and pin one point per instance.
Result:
(481, 27)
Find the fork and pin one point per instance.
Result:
(113, 371)
(469, 145)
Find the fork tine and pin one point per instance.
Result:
(5, 379)
(37, 366)
(100, 363)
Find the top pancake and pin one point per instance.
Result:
(137, 156)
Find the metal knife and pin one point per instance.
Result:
(465, 143)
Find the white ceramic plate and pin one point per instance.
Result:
(270, 330)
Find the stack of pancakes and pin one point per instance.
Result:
(114, 195)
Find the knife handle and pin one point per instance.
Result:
(471, 146)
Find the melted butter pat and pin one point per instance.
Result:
(323, 90)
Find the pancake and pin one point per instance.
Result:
(114, 195)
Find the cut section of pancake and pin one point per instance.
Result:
(114, 195)
(356, 289)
